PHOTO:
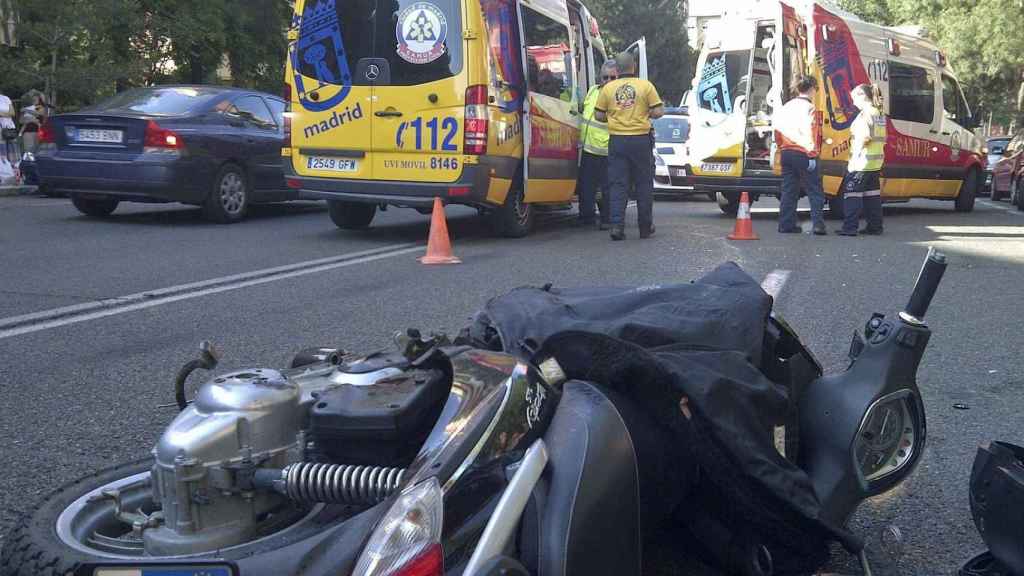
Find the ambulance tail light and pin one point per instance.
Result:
(287, 143)
(475, 125)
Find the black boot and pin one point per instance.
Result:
(618, 233)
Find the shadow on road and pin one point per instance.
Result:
(177, 215)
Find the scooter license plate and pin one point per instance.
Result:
(167, 570)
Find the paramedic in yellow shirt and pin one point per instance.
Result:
(628, 105)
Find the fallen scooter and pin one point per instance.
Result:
(458, 458)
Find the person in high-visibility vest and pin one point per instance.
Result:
(594, 163)
(861, 188)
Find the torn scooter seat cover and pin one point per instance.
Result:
(698, 343)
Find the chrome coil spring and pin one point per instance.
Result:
(340, 483)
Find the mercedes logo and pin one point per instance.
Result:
(372, 72)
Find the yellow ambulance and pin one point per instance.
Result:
(752, 56)
(476, 102)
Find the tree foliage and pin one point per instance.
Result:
(663, 23)
(78, 51)
(981, 39)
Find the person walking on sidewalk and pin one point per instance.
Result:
(796, 133)
(628, 105)
(862, 185)
(8, 132)
(594, 164)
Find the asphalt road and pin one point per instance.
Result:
(82, 390)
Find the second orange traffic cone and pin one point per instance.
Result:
(439, 247)
(744, 226)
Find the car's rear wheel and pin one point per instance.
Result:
(95, 207)
(728, 202)
(968, 191)
(1016, 194)
(351, 215)
(514, 219)
(228, 202)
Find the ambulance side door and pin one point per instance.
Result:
(551, 109)
(955, 129)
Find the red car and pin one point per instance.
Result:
(1008, 173)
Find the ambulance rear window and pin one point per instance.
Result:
(421, 40)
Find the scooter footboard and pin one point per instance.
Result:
(590, 493)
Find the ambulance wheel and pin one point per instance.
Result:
(728, 202)
(514, 219)
(969, 189)
(713, 196)
(835, 208)
(351, 215)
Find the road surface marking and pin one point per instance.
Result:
(57, 317)
(774, 282)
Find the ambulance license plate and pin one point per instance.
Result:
(331, 164)
(720, 167)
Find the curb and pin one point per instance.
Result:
(17, 190)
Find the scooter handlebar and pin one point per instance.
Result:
(927, 283)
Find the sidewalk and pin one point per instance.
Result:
(17, 190)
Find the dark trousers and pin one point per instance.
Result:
(796, 172)
(593, 176)
(862, 196)
(631, 164)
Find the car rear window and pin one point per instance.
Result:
(421, 41)
(671, 129)
(169, 101)
(997, 146)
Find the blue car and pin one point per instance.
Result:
(210, 146)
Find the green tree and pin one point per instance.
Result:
(663, 23)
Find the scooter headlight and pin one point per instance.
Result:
(889, 440)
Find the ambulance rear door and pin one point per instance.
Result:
(551, 109)
(788, 56)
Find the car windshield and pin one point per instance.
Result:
(675, 129)
(168, 101)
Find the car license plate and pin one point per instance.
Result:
(721, 167)
(102, 136)
(331, 164)
(680, 172)
(167, 570)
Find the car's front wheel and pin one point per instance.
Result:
(95, 207)
(228, 202)
(351, 215)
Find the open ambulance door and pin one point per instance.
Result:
(788, 56)
(550, 109)
(639, 51)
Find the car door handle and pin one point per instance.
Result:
(388, 114)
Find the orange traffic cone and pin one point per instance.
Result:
(744, 226)
(439, 247)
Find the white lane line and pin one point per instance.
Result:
(774, 282)
(1011, 209)
(47, 319)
